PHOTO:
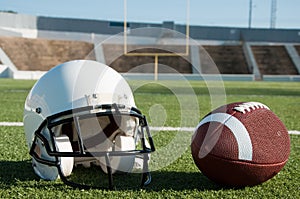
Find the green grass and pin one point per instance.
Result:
(181, 179)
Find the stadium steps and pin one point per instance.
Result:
(273, 60)
(230, 59)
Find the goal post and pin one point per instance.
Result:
(158, 54)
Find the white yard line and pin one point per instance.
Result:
(152, 128)
(169, 128)
(294, 132)
(11, 123)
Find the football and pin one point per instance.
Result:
(240, 144)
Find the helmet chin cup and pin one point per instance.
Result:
(66, 163)
(120, 163)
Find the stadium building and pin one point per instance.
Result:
(31, 45)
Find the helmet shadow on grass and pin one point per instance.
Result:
(16, 172)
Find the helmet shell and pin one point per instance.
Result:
(72, 85)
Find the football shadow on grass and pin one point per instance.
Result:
(170, 180)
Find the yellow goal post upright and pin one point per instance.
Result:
(156, 55)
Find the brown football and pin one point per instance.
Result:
(240, 144)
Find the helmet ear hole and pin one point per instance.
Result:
(64, 145)
(120, 163)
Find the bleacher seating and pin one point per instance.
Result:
(114, 56)
(42, 54)
(273, 60)
(229, 59)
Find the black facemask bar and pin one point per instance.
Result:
(85, 112)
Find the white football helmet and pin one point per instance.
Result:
(81, 113)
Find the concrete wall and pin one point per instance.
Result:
(18, 21)
(10, 22)
(245, 34)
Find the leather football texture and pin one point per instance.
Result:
(240, 144)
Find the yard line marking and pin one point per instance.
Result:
(169, 128)
(192, 129)
(294, 132)
(11, 123)
(152, 128)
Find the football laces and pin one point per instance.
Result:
(249, 106)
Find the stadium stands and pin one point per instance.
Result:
(229, 59)
(273, 60)
(38, 43)
(114, 57)
(42, 54)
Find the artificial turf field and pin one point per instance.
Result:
(158, 101)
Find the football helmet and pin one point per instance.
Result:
(83, 113)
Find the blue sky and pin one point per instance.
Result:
(234, 13)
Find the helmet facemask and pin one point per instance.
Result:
(113, 137)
